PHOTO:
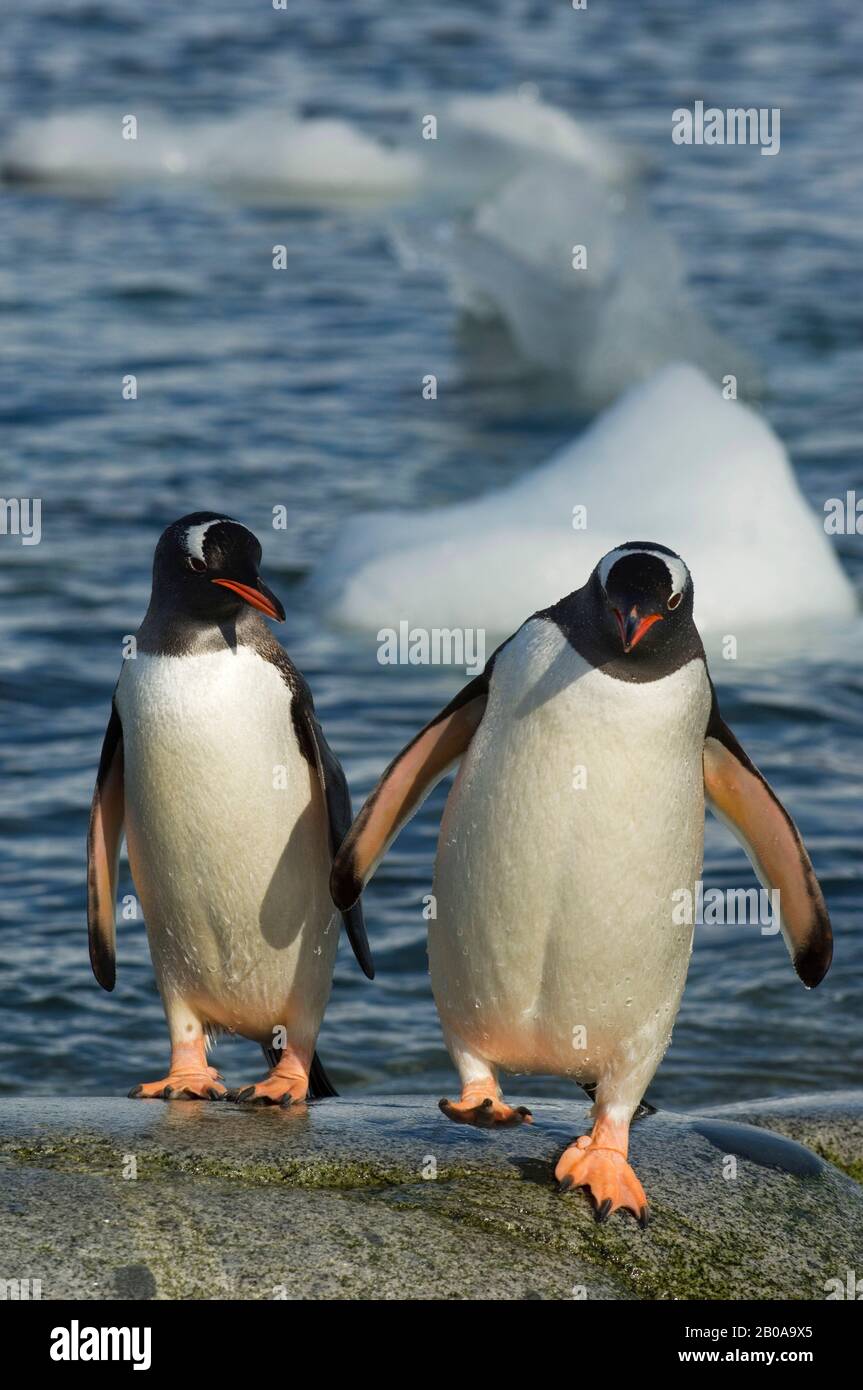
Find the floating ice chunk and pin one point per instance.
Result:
(277, 152)
(88, 147)
(672, 461)
(607, 315)
(323, 158)
(481, 141)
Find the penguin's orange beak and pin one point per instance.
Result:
(633, 627)
(261, 598)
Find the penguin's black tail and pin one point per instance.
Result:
(320, 1085)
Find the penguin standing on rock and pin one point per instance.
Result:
(233, 805)
(587, 747)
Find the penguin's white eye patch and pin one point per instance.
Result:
(195, 564)
(674, 601)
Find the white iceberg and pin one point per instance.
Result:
(482, 141)
(268, 151)
(672, 461)
(586, 280)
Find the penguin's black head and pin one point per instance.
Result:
(645, 591)
(206, 568)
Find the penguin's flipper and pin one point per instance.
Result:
(337, 799)
(404, 787)
(103, 853)
(740, 797)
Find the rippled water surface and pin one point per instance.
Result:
(258, 389)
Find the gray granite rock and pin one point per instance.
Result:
(375, 1198)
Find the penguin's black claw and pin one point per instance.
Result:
(213, 1094)
(603, 1210)
(250, 1095)
(644, 1218)
(565, 1184)
(166, 1094)
(135, 1092)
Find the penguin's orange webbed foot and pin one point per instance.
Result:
(480, 1106)
(275, 1090)
(193, 1084)
(607, 1175)
(287, 1083)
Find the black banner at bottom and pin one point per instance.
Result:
(145, 1337)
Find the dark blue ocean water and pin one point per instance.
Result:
(258, 389)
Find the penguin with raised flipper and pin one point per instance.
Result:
(588, 747)
(233, 805)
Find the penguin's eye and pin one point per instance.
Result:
(674, 601)
(195, 564)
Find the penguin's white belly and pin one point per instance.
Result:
(228, 842)
(577, 814)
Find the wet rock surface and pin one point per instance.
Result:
(377, 1198)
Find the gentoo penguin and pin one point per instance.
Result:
(233, 805)
(587, 749)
